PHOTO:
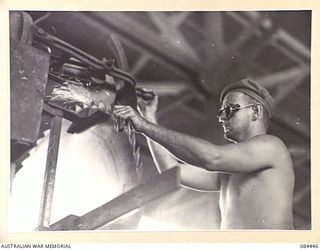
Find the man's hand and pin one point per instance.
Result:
(128, 114)
(147, 110)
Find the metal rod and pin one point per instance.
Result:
(148, 191)
(50, 172)
(135, 198)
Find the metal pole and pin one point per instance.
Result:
(50, 172)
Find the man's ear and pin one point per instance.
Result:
(257, 112)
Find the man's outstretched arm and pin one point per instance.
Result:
(254, 154)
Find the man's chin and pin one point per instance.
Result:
(229, 137)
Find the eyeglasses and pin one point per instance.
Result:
(230, 109)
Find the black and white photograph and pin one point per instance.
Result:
(159, 124)
(160, 120)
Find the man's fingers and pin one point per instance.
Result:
(129, 115)
(124, 112)
(120, 108)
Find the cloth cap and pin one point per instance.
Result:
(253, 90)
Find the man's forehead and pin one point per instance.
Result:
(233, 97)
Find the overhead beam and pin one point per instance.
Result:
(140, 64)
(146, 38)
(285, 81)
(284, 91)
(252, 28)
(295, 49)
(282, 77)
(171, 34)
(149, 40)
(293, 43)
(221, 58)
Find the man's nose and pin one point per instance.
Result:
(222, 117)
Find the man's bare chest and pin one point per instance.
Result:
(241, 185)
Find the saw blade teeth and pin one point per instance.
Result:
(43, 136)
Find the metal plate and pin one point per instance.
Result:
(28, 77)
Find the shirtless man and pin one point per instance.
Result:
(255, 171)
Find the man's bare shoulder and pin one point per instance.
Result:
(271, 145)
(267, 139)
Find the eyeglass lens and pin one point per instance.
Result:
(226, 110)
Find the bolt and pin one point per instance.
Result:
(40, 31)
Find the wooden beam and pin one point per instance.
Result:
(137, 197)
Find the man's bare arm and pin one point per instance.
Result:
(257, 153)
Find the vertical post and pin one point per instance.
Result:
(50, 172)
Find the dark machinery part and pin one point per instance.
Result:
(105, 65)
(73, 65)
(20, 27)
(126, 92)
(28, 76)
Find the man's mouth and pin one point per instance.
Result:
(225, 127)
